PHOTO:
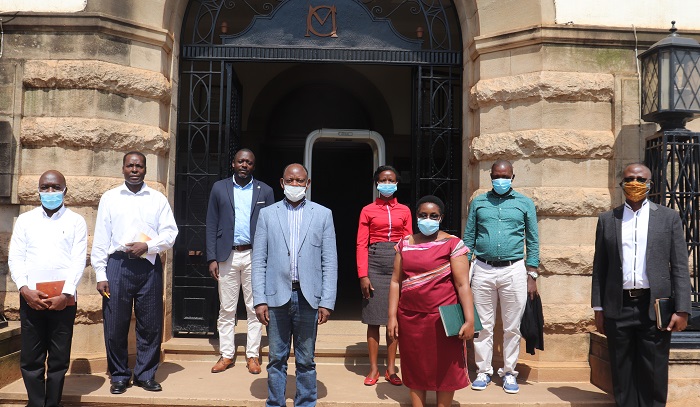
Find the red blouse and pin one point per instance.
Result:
(381, 221)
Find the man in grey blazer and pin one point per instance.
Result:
(295, 272)
(234, 205)
(640, 256)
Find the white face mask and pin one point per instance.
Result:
(294, 193)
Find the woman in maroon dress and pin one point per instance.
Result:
(430, 270)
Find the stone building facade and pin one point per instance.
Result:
(551, 85)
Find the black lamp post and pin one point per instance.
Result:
(671, 97)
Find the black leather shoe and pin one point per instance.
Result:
(150, 385)
(119, 387)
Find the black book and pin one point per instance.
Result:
(665, 308)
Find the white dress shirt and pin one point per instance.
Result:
(635, 227)
(44, 248)
(120, 214)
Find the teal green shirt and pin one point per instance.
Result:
(500, 227)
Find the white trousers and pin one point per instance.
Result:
(233, 273)
(491, 285)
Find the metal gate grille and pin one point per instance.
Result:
(208, 128)
(437, 150)
(674, 159)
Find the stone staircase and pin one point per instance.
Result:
(341, 364)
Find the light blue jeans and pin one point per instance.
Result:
(297, 321)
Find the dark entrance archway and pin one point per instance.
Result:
(237, 58)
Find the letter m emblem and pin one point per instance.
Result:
(314, 20)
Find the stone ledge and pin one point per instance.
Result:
(682, 387)
(82, 191)
(104, 76)
(562, 143)
(93, 133)
(565, 202)
(544, 85)
(89, 309)
(92, 22)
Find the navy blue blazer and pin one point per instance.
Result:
(221, 216)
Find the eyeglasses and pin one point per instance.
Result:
(638, 179)
(432, 216)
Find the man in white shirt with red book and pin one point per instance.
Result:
(48, 245)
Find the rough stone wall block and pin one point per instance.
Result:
(76, 74)
(566, 260)
(560, 143)
(547, 85)
(93, 134)
(573, 202)
(84, 191)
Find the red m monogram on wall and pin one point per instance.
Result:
(314, 15)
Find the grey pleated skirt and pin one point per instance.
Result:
(375, 310)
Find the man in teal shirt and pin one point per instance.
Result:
(501, 229)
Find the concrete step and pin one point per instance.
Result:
(338, 341)
(189, 383)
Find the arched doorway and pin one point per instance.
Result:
(264, 74)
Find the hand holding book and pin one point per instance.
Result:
(452, 318)
(667, 319)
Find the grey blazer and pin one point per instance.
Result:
(317, 259)
(666, 257)
(221, 216)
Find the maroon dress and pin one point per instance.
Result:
(429, 359)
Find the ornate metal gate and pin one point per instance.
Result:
(423, 34)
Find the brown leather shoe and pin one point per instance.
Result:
(222, 364)
(253, 366)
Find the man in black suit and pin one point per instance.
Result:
(232, 216)
(640, 256)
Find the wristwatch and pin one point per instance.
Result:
(533, 274)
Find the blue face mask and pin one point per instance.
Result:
(428, 227)
(501, 185)
(51, 200)
(387, 190)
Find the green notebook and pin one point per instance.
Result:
(453, 318)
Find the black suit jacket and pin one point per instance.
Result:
(532, 325)
(221, 216)
(666, 257)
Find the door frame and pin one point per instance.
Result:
(372, 138)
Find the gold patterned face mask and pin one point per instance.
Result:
(636, 191)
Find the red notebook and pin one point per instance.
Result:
(53, 289)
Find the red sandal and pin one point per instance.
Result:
(393, 378)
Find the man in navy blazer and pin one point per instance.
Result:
(232, 215)
(640, 255)
(295, 273)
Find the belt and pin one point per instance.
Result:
(124, 256)
(296, 286)
(504, 263)
(242, 247)
(636, 292)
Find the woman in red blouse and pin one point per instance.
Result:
(382, 224)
